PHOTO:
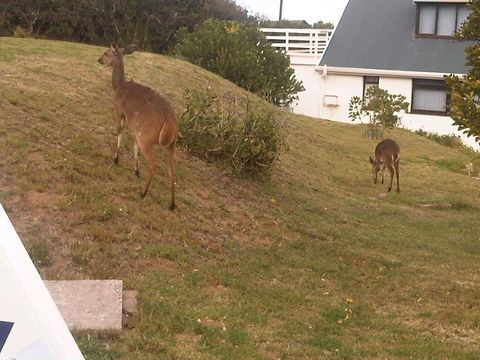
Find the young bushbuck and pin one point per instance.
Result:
(387, 155)
(149, 116)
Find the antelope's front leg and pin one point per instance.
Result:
(135, 154)
(120, 126)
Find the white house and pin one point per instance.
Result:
(404, 46)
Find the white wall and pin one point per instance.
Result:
(339, 89)
(343, 87)
(308, 102)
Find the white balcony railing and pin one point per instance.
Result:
(299, 42)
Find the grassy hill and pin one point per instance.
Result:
(314, 262)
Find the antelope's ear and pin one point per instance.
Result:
(372, 161)
(115, 48)
(130, 49)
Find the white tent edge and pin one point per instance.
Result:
(30, 284)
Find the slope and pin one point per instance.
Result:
(312, 262)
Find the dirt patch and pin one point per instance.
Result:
(44, 199)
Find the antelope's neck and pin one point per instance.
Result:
(118, 74)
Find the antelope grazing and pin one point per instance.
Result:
(387, 155)
(149, 116)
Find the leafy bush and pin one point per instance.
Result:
(379, 106)
(451, 140)
(150, 24)
(464, 91)
(227, 130)
(241, 54)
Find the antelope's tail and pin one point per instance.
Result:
(168, 134)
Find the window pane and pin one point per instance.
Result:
(447, 14)
(426, 24)
(371, 79)
(429, 100)
(463, 12)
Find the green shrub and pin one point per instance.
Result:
(450, 140)
(241, 54)
(379, 106)
(231, 131)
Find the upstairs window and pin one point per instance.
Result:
(440, 19)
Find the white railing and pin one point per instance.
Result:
(298, 42)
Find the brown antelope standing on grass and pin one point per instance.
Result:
(149, 115)
(387, 155)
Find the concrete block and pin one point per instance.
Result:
(89, 304)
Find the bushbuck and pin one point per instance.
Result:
(149, 115)
(387, 155)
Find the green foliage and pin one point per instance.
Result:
(451, 140)
(296, 24)
(151, 24)
(225, 129)
(241, 54)
(380, 106)
(465, 91)
(323, 25)
(227, 10)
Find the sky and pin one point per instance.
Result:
(309, 10)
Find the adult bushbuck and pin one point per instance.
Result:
(387, 155)
(150, 117)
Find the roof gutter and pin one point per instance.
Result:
(333, 70)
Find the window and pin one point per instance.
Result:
(368, 82)
(429, 97)
(440, 19)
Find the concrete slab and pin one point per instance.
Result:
(130, 309)
(89, 304)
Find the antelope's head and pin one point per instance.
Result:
(376, 167)
(114, 54)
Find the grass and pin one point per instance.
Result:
(308, 263)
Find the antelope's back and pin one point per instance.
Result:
(387, 149)
(134, 99)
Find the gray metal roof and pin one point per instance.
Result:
(379, 34)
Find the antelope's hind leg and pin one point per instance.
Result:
(170, 158)
(397, 172)
(135, 155)
(391, 169)
(149, 154)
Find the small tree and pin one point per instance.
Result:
(465, 92)
(241, 54)
(380, 107)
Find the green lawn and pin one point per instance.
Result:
(312, 262)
